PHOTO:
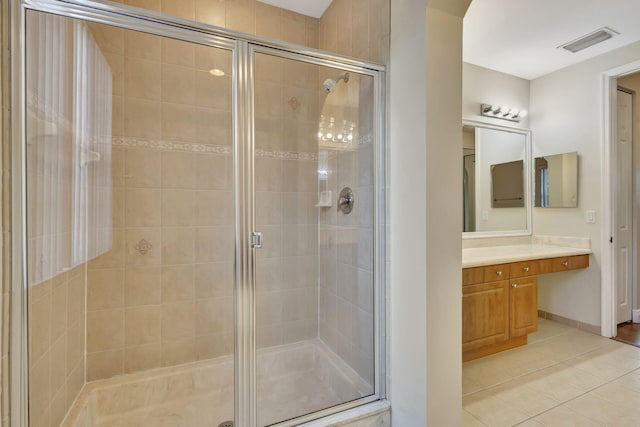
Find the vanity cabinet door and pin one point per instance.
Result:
(485, 314)
(523, 304)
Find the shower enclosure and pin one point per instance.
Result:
(202, 224)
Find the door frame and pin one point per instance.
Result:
(608, 325)
(242, 45)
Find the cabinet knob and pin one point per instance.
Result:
(565, 264)
(526, 269)
(499, 273)
(514, 285)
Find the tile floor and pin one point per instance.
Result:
(564, 377)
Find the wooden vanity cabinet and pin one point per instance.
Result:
(523, 306)
(485, 314)
(498, 314)
(500, 303)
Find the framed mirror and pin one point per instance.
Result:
(496, 190)
(556, 181)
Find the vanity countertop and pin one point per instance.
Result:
(489, 255)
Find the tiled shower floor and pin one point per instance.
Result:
(563, 377)
(282, 398)
(293, 380)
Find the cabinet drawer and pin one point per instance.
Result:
(524, 268)
(496, 272)
(553, 265)
(473, 275)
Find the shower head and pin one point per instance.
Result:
(329, 85)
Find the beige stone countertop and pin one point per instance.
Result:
(489, 255)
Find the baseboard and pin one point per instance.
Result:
(635, 315)
(594, 329)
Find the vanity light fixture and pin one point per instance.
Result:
(502, 112)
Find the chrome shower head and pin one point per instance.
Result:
(329, 85)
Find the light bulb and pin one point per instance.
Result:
(504, 110)
(216, 72)
(523, 113)
(329, 135)
(514, 112)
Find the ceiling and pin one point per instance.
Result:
(521, 37)
(314, 8)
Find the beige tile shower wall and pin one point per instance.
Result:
(163, 295)
(346, 252)
(248, 16)
(286, 193)
(357, 28)
(56, 346)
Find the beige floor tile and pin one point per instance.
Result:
(571, 344)
(492, 411)
(607, 363)
(562, 382)
(469, 420)
(564, 377)
(469, 386)
(530, 423)
(618, 395)
(562, 416)
(604, 411)
(518, 395)
(630, 381)
(548, 329)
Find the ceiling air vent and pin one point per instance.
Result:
(589, 40)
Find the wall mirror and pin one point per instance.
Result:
(556, 181)
(496, 191)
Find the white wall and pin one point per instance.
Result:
(425, 212)
(407, 154)
(566, 115)
(482, 85)
(444, 213)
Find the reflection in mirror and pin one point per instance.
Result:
(495, 180)
(556, 180)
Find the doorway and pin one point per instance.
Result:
(620, 214)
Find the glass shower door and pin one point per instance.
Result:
(129, 167)
(314, 287)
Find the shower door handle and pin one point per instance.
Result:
(256, 240)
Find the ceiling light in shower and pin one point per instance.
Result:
(503, 112)
(216, 72)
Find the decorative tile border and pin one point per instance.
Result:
(192, 147)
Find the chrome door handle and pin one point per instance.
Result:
(499, 273)
(565, 264)
(256, 240)
(526, 269)
(514, 285)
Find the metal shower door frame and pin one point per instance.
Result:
(243, 47)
